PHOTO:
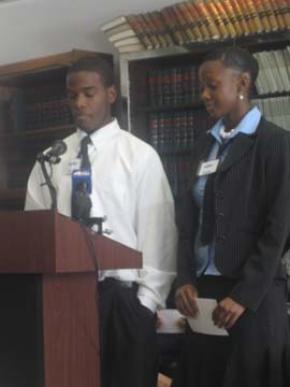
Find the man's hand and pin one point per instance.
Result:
(227, 313)
(185, 299)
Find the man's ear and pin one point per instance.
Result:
(112, 94)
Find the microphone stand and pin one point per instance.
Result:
(52, 191)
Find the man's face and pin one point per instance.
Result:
(90, 100)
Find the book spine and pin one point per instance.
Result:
(274, 24)
(198, 20)
(262, 12)
(152, 32)
(278, 14)
(217, 19)
(183, 23)
(137, 27)
(192, 23)
(244, 23)
(207, 20)
(153, 128)
(225, 18)
(284, 6)
(170, 21)
(162, 28)
(233, 17)
(252, 15)
(148, 31)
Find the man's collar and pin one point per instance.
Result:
(103, 134)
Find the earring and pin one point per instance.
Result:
(241, 97)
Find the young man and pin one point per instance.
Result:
(128, 186)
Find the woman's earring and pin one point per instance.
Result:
(241, 97)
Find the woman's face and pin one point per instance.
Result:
(219, 88)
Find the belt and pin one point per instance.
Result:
(110, 281)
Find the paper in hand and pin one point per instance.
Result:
(170, 321)
(203, 322)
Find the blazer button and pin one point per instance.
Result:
(222, 237)
(221, 215)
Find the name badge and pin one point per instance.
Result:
(208, 167)
(74, 165)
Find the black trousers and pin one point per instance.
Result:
(255, 354)
(129, 351)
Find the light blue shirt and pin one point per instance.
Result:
(248, 125)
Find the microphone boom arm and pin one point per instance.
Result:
(52, 157)
(48, 182)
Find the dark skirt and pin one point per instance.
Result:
(255, 354)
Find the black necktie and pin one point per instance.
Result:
(208, 216)
(81, 202)
(83, 154)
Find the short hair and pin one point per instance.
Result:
(95, 64)
(237, 58)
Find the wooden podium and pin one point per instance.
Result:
(48, 299)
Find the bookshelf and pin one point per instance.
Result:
(34, 112)
(163, 106)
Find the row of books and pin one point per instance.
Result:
(48, 113)
(19, 111)
(276, 110)
(176, 86)
(274, 74)
(197, 21)
(173, 86)
(176, 132)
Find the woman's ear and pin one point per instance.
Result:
(244, 85)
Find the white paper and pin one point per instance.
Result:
(170, 321)
(203, 322)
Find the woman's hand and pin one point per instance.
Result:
(227, 313)
(185, 299)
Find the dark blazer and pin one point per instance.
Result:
(252, 203)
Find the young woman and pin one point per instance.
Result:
(233, 231)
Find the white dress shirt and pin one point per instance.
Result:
(130, 188)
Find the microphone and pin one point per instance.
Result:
(57, 149)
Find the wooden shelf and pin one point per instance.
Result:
(253, 40)
(43, 64)
(271, 95)
(44, 132)
(152, 109)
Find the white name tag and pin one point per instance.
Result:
(208, 167)
(74, 165)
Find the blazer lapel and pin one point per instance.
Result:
(240, 146)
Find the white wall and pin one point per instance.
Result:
(34, 28)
